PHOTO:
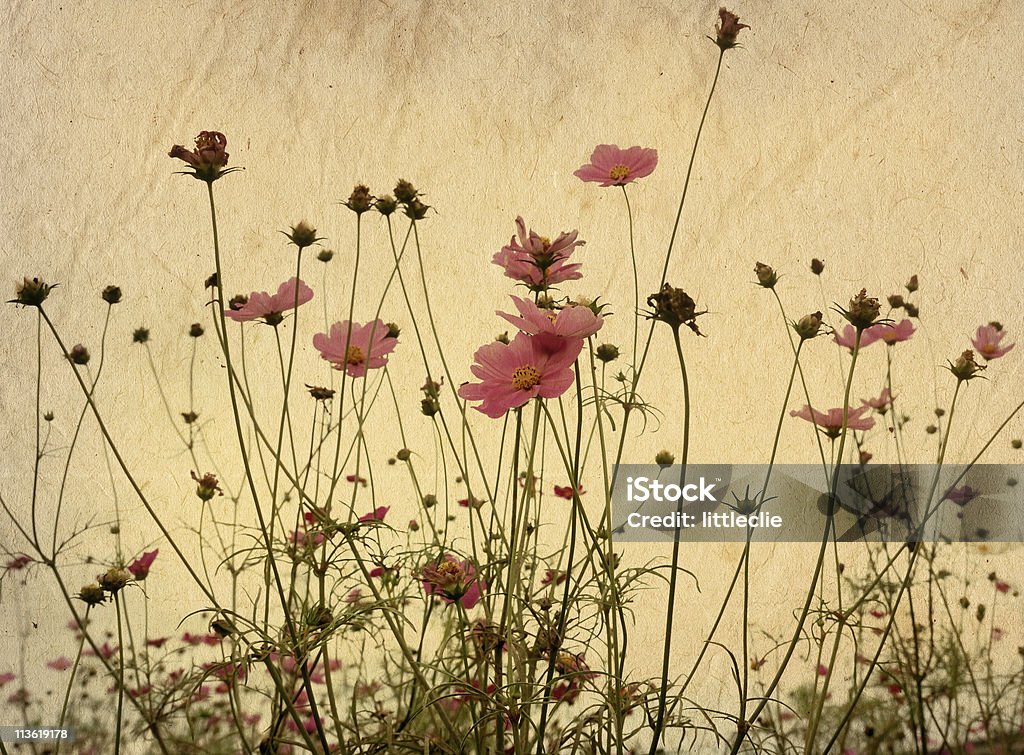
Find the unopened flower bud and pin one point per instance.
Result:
(674, 307)
(405, 192)
(429, 501)
(49, 417)
(114, 579)
(965, 368)
(31, 292)
(931, 429)
(393, 330)
(502, 338)
(766, 275)
(325, 255)
(360, 200)
(207, 486)
(607, 352)
(141, 335)
(728, 29)
(414, 526)
(302, 234)
(863, 310)
(195, 330)
(911, 309)
(403, 454)
(817, 266)
(386, 205)
(896, 301)
(416, 210)
(111, 294)
(1015, 443)
(807, 327)
(665, 458)
(237, 302)
(912, 284)
(965, 602)
(92, 595)
(78, 354)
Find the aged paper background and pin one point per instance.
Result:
(882, 137)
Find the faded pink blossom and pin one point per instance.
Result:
(453, 581)
(611, 165)
(831, 422)
(536, 260)
(1003, 587)
(512, 374)
(6, 678)
(987, 341)
(59, 664)
(200, 639)
(140, 566)
(377, 515)
(365, 348)
(354, 596)
(961, 496)
(271, 307)
(848, 337)
(208, 159)
(553, 326)
(566, 491)
(891, 334)
(19, 562)
(881, 404)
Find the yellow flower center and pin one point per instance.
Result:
(525, 377)
(449, 569)
(354, 355)
(619, 172)
(545, 242)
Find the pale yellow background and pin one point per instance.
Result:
(884, 138)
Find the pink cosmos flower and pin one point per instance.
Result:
(366, 348)
(848, 338)
(880, 404)
(831, 422)
(1003, 587)
(59, 664)
(377, 515)
(512, 374)
(453, 580)
(987, 340)
(209, 157)
(553, 326)
(613, 166)
(891, 334)
(271, 307)
(140, 566)
(538, 261)
(961, 496)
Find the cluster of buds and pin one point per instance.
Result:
(898, 301)
(431, 403)
(965, 368)
(207, 486)
(407, 196)
(674, 307)
(208, 160)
